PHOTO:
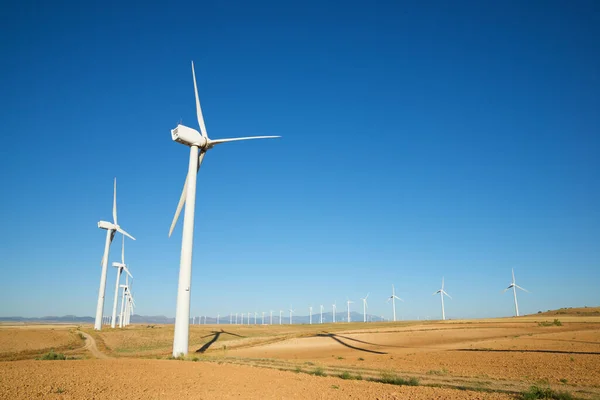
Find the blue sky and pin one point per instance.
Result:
(420, 140)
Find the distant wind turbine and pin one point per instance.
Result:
(111, 229)
(365, 305)
(120, 268)
(393, 298)
(442, 292)
(310, 315)
(514, 287)
(321, 314)
(334, 306)
(291, 312)
(349, 309)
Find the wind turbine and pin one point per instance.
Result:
(271, 323)
(111, 229)
(124, 296)
(198, 142)
(321, 314)
(218, 316)
(393, 298)
(442, 292)
(364, 307)
(334, 307)
(514, 287)
(280, 312)
(310, 315)
(349, 309)
(120, 267)
(291, 312)
(262, 320)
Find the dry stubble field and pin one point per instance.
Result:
(470, 359)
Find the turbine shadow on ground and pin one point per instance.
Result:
(215, 335)
(335, 337)
(530, 351)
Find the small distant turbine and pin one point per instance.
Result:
(393, 298)
(334, 306)
(348, 304)
(514, 287)
(310, 315)
(321, 314)
(271, 323)
(280, 313)
(291, 312)
(442, 292)
(365, 305)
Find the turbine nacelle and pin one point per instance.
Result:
(189, 136)
(109, 226)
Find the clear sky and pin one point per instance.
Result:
(420, 140)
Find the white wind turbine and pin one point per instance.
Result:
(124, 297)
(262, 320)
(271, 323)
(393, 298)
(514, 287)
(120, 268)
(321, 314)
(348, 303)
(334, 307)
(310, 315)
(198, 142)
(365, 305)
(280, 313)
(442, 292)
(111, 229)
(291, 312)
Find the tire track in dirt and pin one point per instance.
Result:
(90, 345)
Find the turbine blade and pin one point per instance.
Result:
(447, 294)
(123, 249)
(513, 274)
(198, 109)
(219, 141)
(523, 289)
(183, 194)
(128, 273)
(398, 298)
(122, 232)
(115, 203)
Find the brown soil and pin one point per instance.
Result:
(154, 379)
(492, 358)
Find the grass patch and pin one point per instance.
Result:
(361, 359)
(81, 336)
(537, 392)
(319, 372)
(340, 358)
(51, 355)
(439, 372)
(298, 369)
(335, 387)
(60, 390)
(556, 322)
(393, 379)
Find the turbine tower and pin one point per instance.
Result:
(199, 142)
(334, 306)
(310, 315)
(393, 298)
(280, 312)
(291, 312)
(271, 322)
(514, 287)
(442, 292)
(321, 314)
(120, 267)
(348, 303)
(111, 229)
(365, 307)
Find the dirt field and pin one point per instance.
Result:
(474, 359)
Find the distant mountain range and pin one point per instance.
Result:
(161, 319)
